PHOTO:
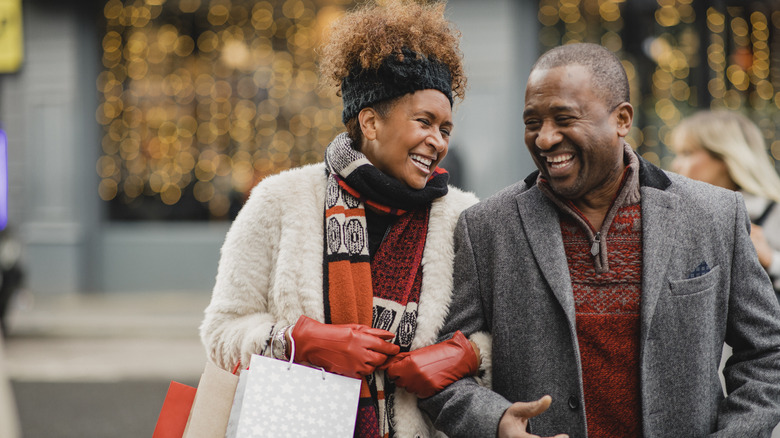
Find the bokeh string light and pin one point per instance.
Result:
(202, 99)
(693, 55)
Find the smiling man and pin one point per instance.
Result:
(608, 285)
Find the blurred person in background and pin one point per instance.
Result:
(726, 149)
(11, 272)
(9, 419)
(352, 258)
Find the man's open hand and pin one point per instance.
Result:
(514, 422)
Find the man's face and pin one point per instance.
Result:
(573, 137)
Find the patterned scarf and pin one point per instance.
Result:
(382, 293)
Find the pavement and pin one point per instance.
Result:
(99, 365)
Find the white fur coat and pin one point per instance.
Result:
(270, 273)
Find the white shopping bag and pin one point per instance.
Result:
(280, 399)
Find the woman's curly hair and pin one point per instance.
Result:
(378, 29)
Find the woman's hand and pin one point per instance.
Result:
(430, 369)
(352, 350)
(763, 249)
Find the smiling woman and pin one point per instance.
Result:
(412, 139)
(332, 254)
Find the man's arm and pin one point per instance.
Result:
(465, 409)
(752, 374)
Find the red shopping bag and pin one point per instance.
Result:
(175, 411)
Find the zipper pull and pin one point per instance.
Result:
(594, 249)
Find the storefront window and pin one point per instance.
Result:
(202, 99)
(681, 56)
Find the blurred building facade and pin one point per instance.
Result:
(137, 127)
(681, 56)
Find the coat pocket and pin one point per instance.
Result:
(701, 284)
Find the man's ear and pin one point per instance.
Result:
(367, 118)
(625, 117)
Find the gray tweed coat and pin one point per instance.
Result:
(512, 280)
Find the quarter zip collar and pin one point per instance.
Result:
(628, 194)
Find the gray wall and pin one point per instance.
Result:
(160, 256)
(48, 110)
(499, 45)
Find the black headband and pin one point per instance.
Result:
(395, 77)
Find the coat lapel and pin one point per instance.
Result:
(543, 232)
(658, 240)
(542, 229)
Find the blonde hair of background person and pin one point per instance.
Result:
(727, 149)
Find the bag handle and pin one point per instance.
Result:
(292, 351)
(292, 355)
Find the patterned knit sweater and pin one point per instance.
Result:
(607, 312)
(606, 273)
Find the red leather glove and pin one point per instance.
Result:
(351, 350)
(430, 369)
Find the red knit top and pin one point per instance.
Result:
(607, 314)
